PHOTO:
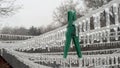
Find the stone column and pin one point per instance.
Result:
(84, 25)
(90, 61)
(116, 58)
(88, 42)
(80, 31)
(101, 35)
(115, 10)
(95, 21)
(92, 38)
(97, 36)
(84, 40)
(107, 17)
(88, 30)
(107, 60)
(80, 28)
(108, 35)
(88, 24)
(80, 62)
(116, 33)
(98, 20)
(112, 58)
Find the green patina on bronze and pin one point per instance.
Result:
(71, 35)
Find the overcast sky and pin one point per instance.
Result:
(33, 13)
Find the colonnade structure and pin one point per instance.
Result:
(99, 33)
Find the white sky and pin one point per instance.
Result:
(33, 13)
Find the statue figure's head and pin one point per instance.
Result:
(71, 17)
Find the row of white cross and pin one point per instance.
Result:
(87, 60)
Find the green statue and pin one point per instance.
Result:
(72, 33)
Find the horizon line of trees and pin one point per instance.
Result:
(34, 31)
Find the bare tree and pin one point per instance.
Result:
(60, 15)
(96, 3)
(6, 30)
(8, 7)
